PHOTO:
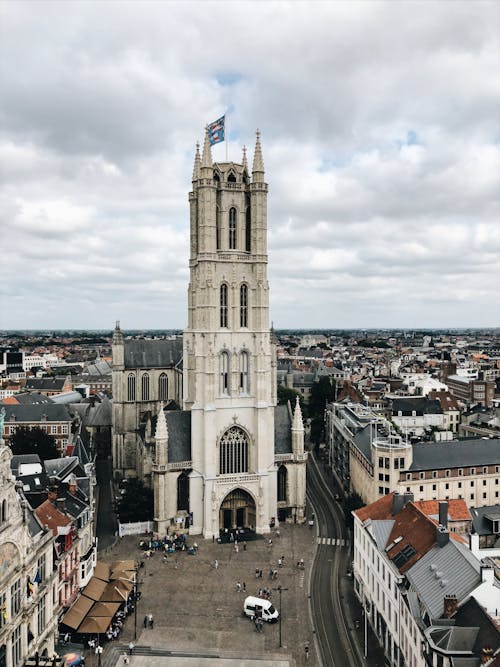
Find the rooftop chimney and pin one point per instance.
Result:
(442, 536)
(61, 504)
(407, 498)
(443, 513)
(450, 605)
(397, 503)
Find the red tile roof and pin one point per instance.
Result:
(50, 516)
(457, 509)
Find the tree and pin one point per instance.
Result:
(322, 392)
(317, 428)
(33, 441)
(136, 503)
(286, 394)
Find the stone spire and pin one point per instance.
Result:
(297, 423)
(161, 425)
(258, 162)
(197, 163)
(244, 159)
(117, 334)
(206, 157)
(297, 431)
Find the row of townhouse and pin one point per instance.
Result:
(429, 600)
(370, 457)
(47, 549)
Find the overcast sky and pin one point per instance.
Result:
(381, 142)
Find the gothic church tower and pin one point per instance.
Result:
(229, 357)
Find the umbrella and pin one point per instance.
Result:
(72, 659)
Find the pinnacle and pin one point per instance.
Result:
(206, 158)
(197, 161)
(161, 425)
(258, 162)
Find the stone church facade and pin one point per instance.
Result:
(230, 457)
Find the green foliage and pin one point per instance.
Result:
(286, 394)
(317, 428)
(322, 392)
(136, 502)
(33, 441)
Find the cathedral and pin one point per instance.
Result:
(198, 419)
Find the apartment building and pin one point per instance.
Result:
(52, 418)
(427, 598)
(369, 457)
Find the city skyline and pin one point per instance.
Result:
(380, 140)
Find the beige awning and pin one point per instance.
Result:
(75, 615)
(125, 565)
(116, 591)
(122, 575)
(95, 624)
(95, 588)
(102, 571)
(105, 609)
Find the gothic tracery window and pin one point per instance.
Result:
(163, 387)
(224, 373)
(183, 491)
(248, 226)
(244, 384)
(131, 387)
(243, 306)
(282, 475)
(223, 305)
(217, 228)
(233, 451)
(145, 387)
(232, 228)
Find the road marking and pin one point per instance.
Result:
(333, 542)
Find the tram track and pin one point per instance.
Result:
(336, 646)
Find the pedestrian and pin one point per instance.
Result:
(244, 545)
(236, 547)
(257, 573)
(270, 542)
(213, 538)
(244, 587)
(125, 659)
(131, 647)
(283, 560)
(306, 651)
(260, 574)
(238, 587)
(145, 622)
(151, 620)
(216, 564)
(277, 532)
(280, 562)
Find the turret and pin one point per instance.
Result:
(206, 158)
(258, 162)
(118, 348)
(197, 163)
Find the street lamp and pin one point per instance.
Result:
(280, 589)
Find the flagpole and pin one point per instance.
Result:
(226, 133)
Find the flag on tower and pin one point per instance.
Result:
(216, 130)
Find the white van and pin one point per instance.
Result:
(253, 607)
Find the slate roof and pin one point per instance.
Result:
(34, 413)
(100, 414)
(448, 570)
(472, 614)
(455, 454)
(46, 384)
(362, 440)
(381, 531)
(282, 430)
(32, 398)
(179, 435)
(152, 353)
(18, 460)
(481, 524)
(421, 406)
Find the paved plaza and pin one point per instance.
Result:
(197, 609)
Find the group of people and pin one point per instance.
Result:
(167, 545)
(149, 621)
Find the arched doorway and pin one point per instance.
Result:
(237, 510)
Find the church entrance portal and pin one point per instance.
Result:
(237, 511)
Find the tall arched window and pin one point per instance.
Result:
(244, 385)
(145, 387)
(232, 228)
(243, 306)
(163, 387)
(282, 475)
(233, 452)
(217, 227)
(183, 491)
(224, 373)
(131, 387)
(223, 305)
(248, 226)
(3, 512)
